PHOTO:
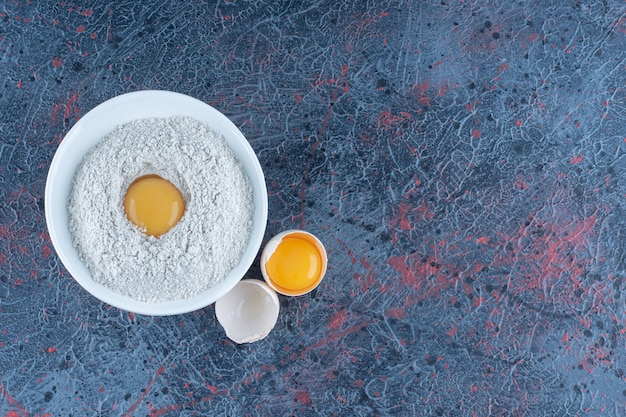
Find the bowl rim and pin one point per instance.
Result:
(89, 130)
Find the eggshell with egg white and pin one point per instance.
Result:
(248, 312)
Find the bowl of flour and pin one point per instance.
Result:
(195, 148)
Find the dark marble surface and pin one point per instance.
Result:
(463, 161)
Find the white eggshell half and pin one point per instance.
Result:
(249, 311)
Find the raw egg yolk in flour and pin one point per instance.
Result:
(153, 204)
(295, 265)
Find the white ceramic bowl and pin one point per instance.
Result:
(88, 131)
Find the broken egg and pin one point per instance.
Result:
(248, 312)
(294, 262)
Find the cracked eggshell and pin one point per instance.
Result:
(271, 247)
(249, 311)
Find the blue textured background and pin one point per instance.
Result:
(463, 161)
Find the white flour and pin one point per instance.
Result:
(195, 254)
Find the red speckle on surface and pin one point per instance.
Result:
(503, 67)
(577, 159)
(422, 88)
(424, 100)
(366, 282)
(145, 392)
(425, 277)
(483, 240)
(21, 411)
(550, 259)
(365, 263)
(414, 188)
(80, 29)
(337, 320)
(620, 25)
(252, 378)
(453, 300)
(87, 12)
(69, 106)
(422, 96)
(430, 358)
(471, 106)
(476, 133)
(388, 119)
(396, 313)
(532, 37)
(370, 139)
(401, 219)
(303, 397)
(159, 412)
(333, 336)
(408, 216)
(520, 184)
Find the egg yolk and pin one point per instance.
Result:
(295, 264)
(153, 204)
